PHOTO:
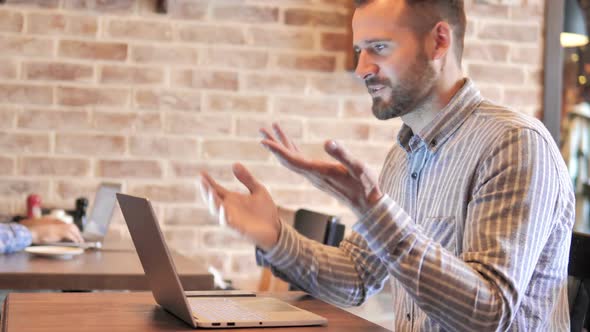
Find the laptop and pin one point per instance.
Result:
(199, 312)
(99, 219)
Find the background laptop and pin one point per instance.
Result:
(209, 312)
(99, 219)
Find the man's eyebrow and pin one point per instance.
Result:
(372, 41)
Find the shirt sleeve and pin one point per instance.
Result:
(510, 216)
(344, 275)
(14, 237)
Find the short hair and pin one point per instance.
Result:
(426, 13)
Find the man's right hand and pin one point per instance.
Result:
(253, 215)
(45, 230)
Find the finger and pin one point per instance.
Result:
(283, 137)
(73, 234)
(222, 217)
(338, 152)
(211, 185)
(266, 134)
(246, 178)
(213, 202)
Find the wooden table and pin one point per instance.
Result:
(115, 312)
(116, 267)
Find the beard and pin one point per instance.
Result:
(408, 93)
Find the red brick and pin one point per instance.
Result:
(234, 103)
(486, 52)
(527, 55)
(6, 166)
(522, 33)
(26, 94)
(53, 71)
(273, 38)
(186, 169)
(307, 17)
(148, 122)
(494, 73)
(71, 190)
(8, 69)
(205, 79)
(26, 46)
(235, 58)
(341, 130)
(324, 63)
(244, 264)
(275, 83)
(245, 14)
(385, 131)
(334, 41)
(105, 6)
(342, 84)
(530, 12)
(13, 188)
(211, 34)
(129, 169)
(249, 126)
(223, 236)
(276, 174)
(519, 98)
(189, 216)
(187, 9)
(302, 198)
(11, 21)
(492, 92)
(92, 97)
(35, 3)
(305, 106)
(93, 50)
(143, 30)
(183, 239)
(90, 144)
(165, 147)
(535, 76)
(161, 99)
(358, 108)
(131, 75)
(169, 193)
(49, 119)
(7, 118)
(487, 10)
(234, 150)
(17, 143)
(58, 24)
(372, 154)
(34, 166)
(114, 121)
(197, 124)
(165, 55)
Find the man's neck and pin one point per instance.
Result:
(427, 111)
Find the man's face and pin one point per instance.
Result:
(391, 59)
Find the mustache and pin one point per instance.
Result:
(377, 80)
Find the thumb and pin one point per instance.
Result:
(245, 177)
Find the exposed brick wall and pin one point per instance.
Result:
(96, 91)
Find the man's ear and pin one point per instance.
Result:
(442, 36)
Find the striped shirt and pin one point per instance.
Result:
(473, 232)
(13, 237)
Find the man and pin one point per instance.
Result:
(15, 237)
(472, 214)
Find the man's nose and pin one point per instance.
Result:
(365, 68)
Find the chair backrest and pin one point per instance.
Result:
(320, 227)
(579, 270)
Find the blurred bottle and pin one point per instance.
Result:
(34, 206)
(80, 212)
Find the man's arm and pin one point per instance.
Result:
(13, 237)
(513, 209)
(345, 276)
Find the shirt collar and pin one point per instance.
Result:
(449, 119)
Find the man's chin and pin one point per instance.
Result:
(384, 110)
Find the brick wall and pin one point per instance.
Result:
(109, 90)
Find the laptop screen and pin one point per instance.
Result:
(102, 211)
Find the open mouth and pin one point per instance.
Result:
(373, 89)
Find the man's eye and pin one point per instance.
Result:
(379, 47)
(357, 50)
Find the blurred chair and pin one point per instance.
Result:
(317, 226)
(579, 287)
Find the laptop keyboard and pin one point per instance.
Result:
(223, 310)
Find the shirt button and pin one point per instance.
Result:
(414, 175)
(409, 317)
(433, 143)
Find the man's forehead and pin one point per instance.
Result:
(378, 19)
